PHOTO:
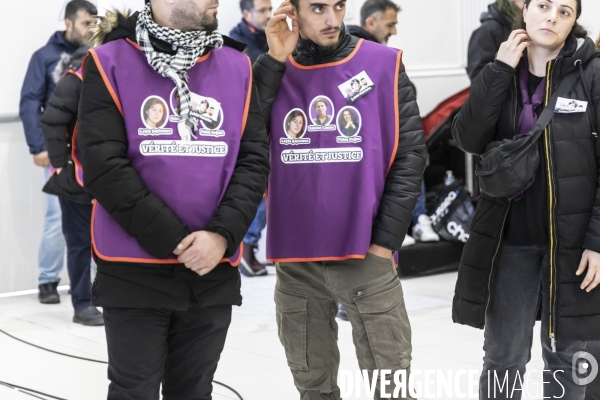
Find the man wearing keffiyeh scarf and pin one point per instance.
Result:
(168, 223)
(193, 34)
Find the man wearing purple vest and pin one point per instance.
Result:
(339, 203)
(175, 192)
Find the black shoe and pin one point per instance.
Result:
(89, 316)
(342, 314)
(48, 293)
(249, 265)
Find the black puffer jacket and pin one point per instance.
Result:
(111, 179)
(403, 184)
(359, 32)
(486, 40)
(574, 198)
(58, 123)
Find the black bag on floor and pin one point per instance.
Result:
(454, 214)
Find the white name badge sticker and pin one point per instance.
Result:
(568, 106)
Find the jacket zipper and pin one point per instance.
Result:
(516, 104)
(551, 205)
(489, 296)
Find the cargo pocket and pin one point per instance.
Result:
(291, 323)
(386, 324)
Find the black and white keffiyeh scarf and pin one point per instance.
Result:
(190, 46)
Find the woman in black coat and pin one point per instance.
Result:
(543, 246)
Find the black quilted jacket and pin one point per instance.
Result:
(573, 190)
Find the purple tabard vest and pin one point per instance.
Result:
(191, 177)
(328, 173)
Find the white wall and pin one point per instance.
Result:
(433, 34)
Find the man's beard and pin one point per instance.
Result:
(188, 19)
(330, 47)
(78, 39)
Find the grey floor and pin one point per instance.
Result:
(253, 361)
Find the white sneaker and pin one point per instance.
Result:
(423, 232)
(408, 241)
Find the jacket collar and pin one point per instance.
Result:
(125, 29)
(494, 14)
(575, 49)
(308, 52)
(59, 39)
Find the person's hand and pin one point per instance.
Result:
(380, 251)
(590, 260)
(512, 50)
(41, 159)
(201, 251)
(280, 38)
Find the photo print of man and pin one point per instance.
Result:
(207, 110)
(356, 87)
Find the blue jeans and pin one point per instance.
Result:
(51, 256)
(522, 279)
(260, 221)
(76, 221)
(420, 207)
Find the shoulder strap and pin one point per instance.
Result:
(562, 91)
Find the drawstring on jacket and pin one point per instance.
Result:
(589, 98)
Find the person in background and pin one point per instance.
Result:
(378, 20)
(251, 30)
(58, 125)
(496, 25)
(37, 87)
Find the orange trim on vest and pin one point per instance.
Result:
(74, 154)
(248, 98)
(331, 64)
(77, 74)
(348, 257)
(137, 46)
(106, 81)
(234, 263)
(396, 111)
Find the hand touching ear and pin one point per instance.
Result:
(280, 38)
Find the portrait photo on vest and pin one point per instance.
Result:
(300, 199)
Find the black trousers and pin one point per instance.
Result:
(180, 349)
(76, 221)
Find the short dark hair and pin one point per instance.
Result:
(320, 100)
(246, 5)
(372, 6)
(74, 6)
(578, 31)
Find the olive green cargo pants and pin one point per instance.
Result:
(306, 296)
